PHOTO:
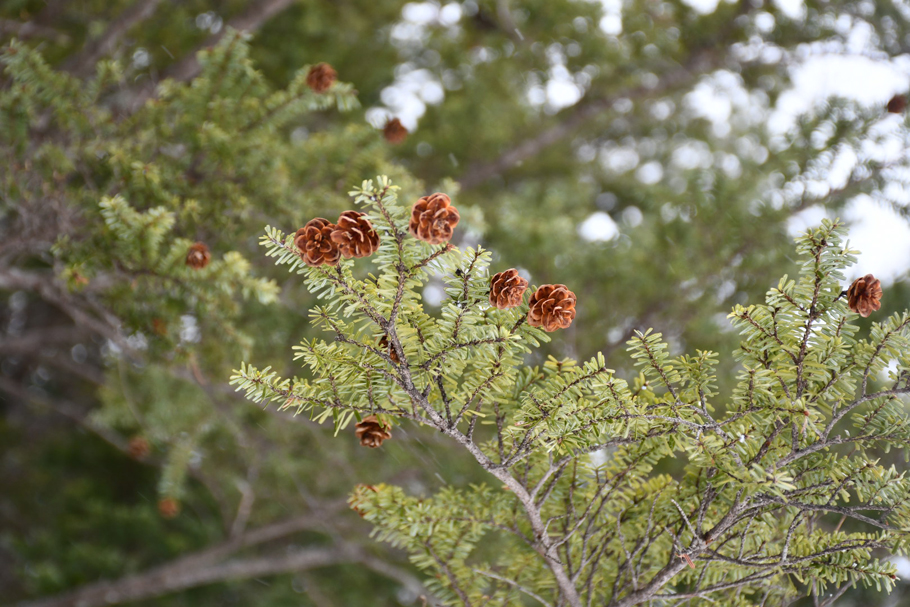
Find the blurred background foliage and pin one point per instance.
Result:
(582, 141)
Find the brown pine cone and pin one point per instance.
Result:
(388, 349)
(394, 132)
(198, 256)
(314, 241)
(433, 219)
(320, 77)
(371, 432)
(168, 507)
(507, 289)
(159, 326)
(897, 104)
(354, 235)
(864, 295)
(552, 307)
(139, 447)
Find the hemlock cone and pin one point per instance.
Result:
(552, 307)
(507, 289)
(586, 516)
(394, 132)
(865, 295)
(372, 432)
(168, 507)
(433, 219)
(321, 77)
(354, 235)
(198, 256)
(315, 244)
(897, 104)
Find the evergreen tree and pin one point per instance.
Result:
(127, 255)
(114, 169)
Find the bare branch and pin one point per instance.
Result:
(203, 567)
(169, 579)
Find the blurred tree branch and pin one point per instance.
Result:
(702, 60)
(206, 566)
(188, 68)
(580, 114)
(83, 63)
(27, 29)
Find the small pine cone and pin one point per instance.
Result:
(552, 307)
(168, 507)
(139, 447)
(388, 349)
(198, 256)
(433, 219)
(864, 295)
(897, 104)
(354, 235)
(394, 132)
(159, 326)
(314, 241)
(507, 289)
(372, 432)
(320, 77)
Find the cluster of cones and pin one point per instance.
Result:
(320, 242)
(551, 307)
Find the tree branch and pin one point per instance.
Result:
(188, 67)
(203, 567)
(169, 579)
(83, 63)
(581, 113)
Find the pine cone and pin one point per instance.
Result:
(314, 241)
(139, 447)
(388, 349)
(354, 235)
(897, 104)
(198, 256)
(507, 289)
(168, 507)
(864, 295)
(433, 219)
(371, 432)
(552, 307)
(159, 326)
(320, 77)
(394, 132)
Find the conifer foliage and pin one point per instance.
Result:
(125, 243)
(583, 514)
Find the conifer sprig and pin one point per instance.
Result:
(765, 471)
